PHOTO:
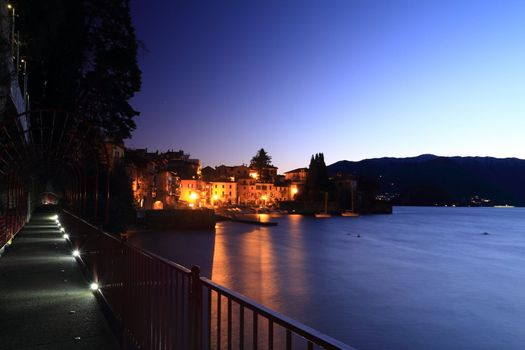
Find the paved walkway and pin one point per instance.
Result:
(45, 303)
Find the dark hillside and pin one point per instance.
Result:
(431, 180)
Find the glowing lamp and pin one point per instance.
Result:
(193, 196)
(76, 253)
(66, 236)
(62, 229)
(93, 286)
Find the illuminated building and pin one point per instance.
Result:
(193, 193)
(297, 175)
(222, 193)
(251, 192)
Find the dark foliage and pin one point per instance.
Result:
(82, 57)
(260, 162)
(318, 182)
(121, 211)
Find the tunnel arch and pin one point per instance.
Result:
(51, 150)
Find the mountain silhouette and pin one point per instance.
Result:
(433, 180)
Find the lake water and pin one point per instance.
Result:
(422, 278)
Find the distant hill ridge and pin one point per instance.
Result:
(429, 179)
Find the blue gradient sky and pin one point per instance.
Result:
(352, 79)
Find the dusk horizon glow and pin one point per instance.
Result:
(351, 79)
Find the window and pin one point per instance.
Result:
(258, 187)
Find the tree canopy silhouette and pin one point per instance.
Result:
(260, 162)
(317, 177)
(82, 56)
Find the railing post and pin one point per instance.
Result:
(125, 270)
(195, 309)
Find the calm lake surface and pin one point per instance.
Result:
(422, 278)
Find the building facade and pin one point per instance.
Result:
(222, 193)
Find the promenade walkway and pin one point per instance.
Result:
(45, 303)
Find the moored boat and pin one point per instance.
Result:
(325, 213)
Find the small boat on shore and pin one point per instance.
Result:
(351, 212)
(325, 213)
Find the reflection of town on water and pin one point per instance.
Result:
(249, 259)
(245, 258)
(270, 267)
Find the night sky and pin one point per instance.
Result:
(352, 79)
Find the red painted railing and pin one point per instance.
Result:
(15, 215)
(162, 305)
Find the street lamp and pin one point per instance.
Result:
(193, 199)
(214, 199)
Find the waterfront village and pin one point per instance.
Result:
(174, 180)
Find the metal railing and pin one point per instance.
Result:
(162, 305)
(15, 216)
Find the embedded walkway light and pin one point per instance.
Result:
(94, 286)
(66, 236)
(76, 253)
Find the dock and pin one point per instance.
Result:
(245, 220)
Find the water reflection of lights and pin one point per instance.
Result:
(254, 261)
